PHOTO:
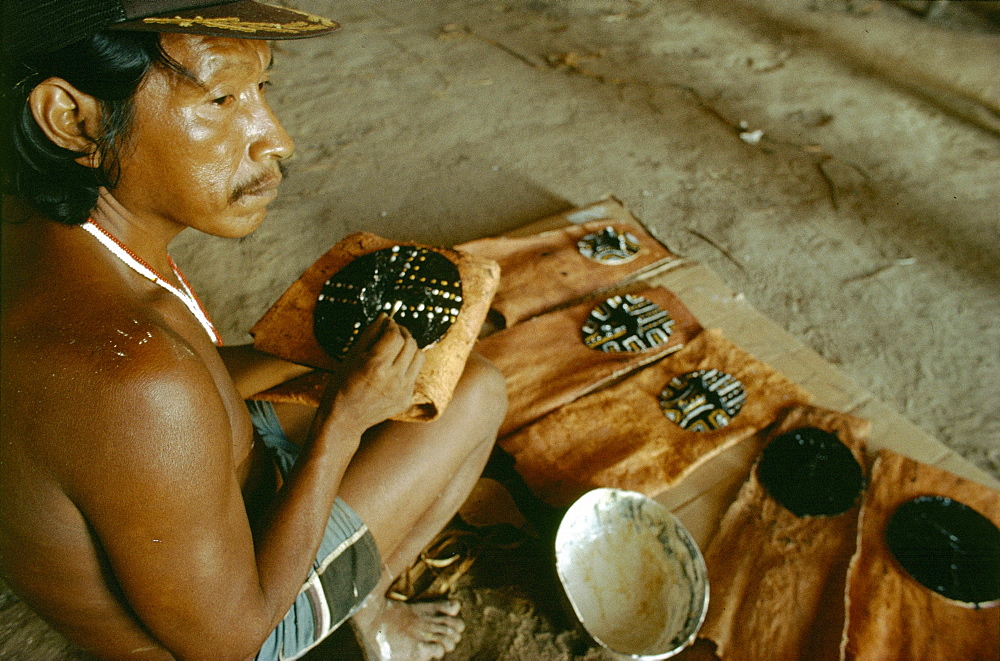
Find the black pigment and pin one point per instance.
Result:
(420, 288)
(811, 473)
(947, 547)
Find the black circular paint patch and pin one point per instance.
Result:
(702, 400)
(609, 246)
(947, 547)
(627, 323)
(420, 288)
(811, 473)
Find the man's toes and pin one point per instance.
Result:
(436, 609)
(448, 640)
(450, 643)
(451, 623)
(449, 606)
(441, 628)
(432, 650)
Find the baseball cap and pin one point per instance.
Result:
(34, 27)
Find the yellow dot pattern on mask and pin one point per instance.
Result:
(420, 288)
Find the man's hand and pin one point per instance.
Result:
(376, 379)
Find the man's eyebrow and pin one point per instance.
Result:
(176, 67)
(170, 64)
(194, 80)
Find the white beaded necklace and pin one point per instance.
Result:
(134, 262)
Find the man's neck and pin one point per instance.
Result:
(147, 240)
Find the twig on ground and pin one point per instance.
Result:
(453, 30)
(704, 105)
(718, 247)
(906, 261)
(831, 187)
(572, 62)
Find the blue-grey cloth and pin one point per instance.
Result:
(346, 569)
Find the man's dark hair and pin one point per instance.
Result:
(110, 66)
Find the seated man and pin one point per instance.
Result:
(146, 512)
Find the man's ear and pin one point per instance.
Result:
(68, 117)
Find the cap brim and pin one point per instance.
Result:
(243, 19)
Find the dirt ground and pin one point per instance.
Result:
(838, 161)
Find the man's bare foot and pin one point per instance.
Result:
(418, 631)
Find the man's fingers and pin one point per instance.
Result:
(409, 348)
(372, 333)
(389, 342)
(416, 364)
(388, 337)
(380, 373)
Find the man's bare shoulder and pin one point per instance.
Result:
(107, 378)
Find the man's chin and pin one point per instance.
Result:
(255, 221)
(237, 226)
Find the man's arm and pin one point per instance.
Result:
(254, 371)
(166, 507)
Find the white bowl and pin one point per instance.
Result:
(633, 575)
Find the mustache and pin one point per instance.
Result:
(259, 183)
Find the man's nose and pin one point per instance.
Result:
(272, 141)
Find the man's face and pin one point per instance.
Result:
(205, 152)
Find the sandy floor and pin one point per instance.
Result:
(836, 160)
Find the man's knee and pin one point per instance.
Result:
(482, 390)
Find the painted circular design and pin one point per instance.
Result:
(627, 323)
(420, 288)
(702, 400)
(811, 473)
(609, 246)
(947, 547)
